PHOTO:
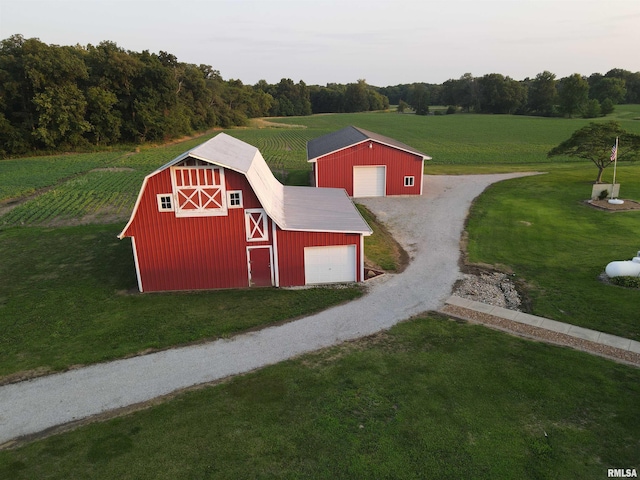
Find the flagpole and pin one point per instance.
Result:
(614, 157)
(615, 165)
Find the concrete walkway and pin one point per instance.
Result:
(429, 228)
(601, 343)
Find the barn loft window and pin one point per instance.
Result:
(165, 202)
(409, 181)
(255, 222)
(235, 199)
(199, 191)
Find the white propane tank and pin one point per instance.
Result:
(627, 268)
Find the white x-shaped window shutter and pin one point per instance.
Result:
(199, 191)
(256, 225)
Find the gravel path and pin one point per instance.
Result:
(428, 227)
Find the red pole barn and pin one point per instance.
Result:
(366, 164)
(216, 217)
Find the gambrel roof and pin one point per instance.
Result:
(291, 208)
(350, 136)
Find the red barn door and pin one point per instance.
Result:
(260, 273)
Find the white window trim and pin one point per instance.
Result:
(229, 203)
(409, 181)
(250, 229)
(199, 212)
(161, 208)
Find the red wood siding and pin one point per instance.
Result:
(291, 252)
(336, 169)
(192, 253)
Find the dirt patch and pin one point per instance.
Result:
(113, 169)
(97, 218)
(628, 205)
(264, 123)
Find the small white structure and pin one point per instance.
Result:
(626, 268)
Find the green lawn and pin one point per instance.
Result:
(65, 300)
(540, 228)
(381, 249)
(431, 398)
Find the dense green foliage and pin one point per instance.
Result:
(55, 98)
(58, 97)
(627, 282)
(544, 95)
(430, 398)
(354, 97)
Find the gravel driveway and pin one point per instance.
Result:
(428, 227)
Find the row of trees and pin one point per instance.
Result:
(60, 97)
(54, 97)
(544, 95)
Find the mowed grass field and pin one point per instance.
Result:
(431, 398)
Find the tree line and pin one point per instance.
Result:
(55, 98)
(544, 95)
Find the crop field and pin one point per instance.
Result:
(86, 188)
(282, 148)
(104, 186)
(23, 176)
(467, 139)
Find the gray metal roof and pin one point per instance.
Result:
(291, 208)
(348, 137)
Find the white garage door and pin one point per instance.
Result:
(369, 181)
(330, 264)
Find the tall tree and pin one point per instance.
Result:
(419, 98)
(499, 94)
(356, 97)
(632, 83)
(594, 142)
(542, 94)
(573, 94)
(601, 88)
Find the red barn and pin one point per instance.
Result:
(216, 217)
(366, 164)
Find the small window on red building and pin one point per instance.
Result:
(409, 181)
(235, 199)
(165, 203)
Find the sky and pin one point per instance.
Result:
(341, 41)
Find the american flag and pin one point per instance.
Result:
(614, 151)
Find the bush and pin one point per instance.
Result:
(603, 194)
(451, 110)
(627, 282)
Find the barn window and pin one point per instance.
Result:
(165, 203)
(409, 181)
(235, 199)
(199, 191)
(255, 222)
